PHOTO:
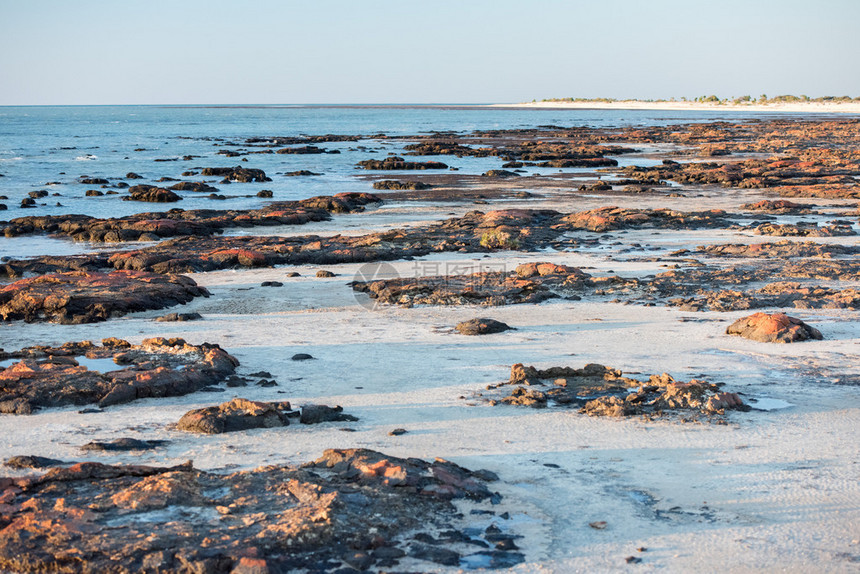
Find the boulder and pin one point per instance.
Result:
(236, 415)
(481, 326)
(773, 328)
(314, 414)
(151, 193)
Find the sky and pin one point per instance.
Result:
(404, 51)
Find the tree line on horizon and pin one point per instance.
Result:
(712, 99)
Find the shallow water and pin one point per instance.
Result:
(51, 147)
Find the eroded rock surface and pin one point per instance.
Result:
(529, 283)
(81, 297)
(53, 376)
(597, 390)
(178, 222)
(350, 508)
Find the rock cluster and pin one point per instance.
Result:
(398, 163)
(350, 509)
(242, 414)
(82, 297)
(529, 283)
(47, 377)
(603, 391)
(178, 222)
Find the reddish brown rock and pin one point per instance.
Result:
(773, 328)
(178, 222)
(53, 377)
(235, 415)
(805, 230)
(779, 206)
(81, 297)
(613, 218)
(93, 517)
(530, 283)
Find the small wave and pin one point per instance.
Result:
(16, 158)
(87, 157)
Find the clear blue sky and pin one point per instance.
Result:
(367, 51)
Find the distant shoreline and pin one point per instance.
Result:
(801, 107)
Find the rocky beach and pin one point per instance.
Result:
(552, 342)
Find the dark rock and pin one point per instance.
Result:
(265, 193)
(271, 284)
(30, 461)
(235, 381)
(500, 174)
(132, 175)
(238, 173)
(235, 415)
(435, 554)
(93, 193)
(390, 184)
(301, 357)
(324, 273)
(398, 163)
(300, 173)
(171, 317)
(151, 193)
(397, 432)
(305, 150)
(123, 444)
(196, 186)
(313, 414)
(481, 327)
(38, 194)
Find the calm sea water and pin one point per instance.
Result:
(51, 147)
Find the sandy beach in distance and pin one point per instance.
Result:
(799, 107)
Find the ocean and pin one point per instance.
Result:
(51, 148)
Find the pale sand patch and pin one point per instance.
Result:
(799, 107)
